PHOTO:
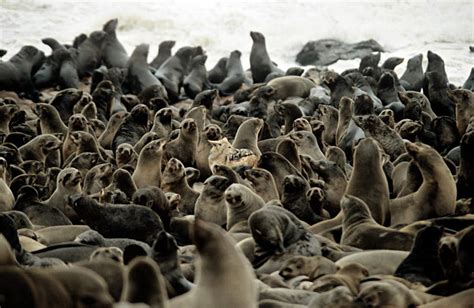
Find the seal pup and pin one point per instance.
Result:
(241, 202)
(219, 260)
(148, 169)
(210, 205)
(360, 230)
(313, 267)
(133, 127)
(165, 253)
(187, 139)
(68, 183)
(174, 180)
(164, 52)
(263, 183)
(437, 194)
(260, 63)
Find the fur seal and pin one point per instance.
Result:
(15, 74)
(219, 260)
(196, 80)
(113, 52)
(187, 138)
(260, 63)
(165, 252)
(247, 135)
(219, 72)
(211, 205)
(368, 163)
(6, 114)
(164, 52)
(145, 284)
(465, 182)
(139, 76)
(148, 169)
(68, 183)
(388, 138)
(278, 166)
(360, 230)
(377, 262)
(307, 144)
(174, 180)
(40, 147)
(130, 221)
(8, 199)
(234, 77)
(172, 72)
(313, 267)
(241, 202)
(423, 264)
(133, 127)
(90, 53)
(295, 200)
(464, 101)
(263, 183)
(438, 189)
(412, 78)
(279, 235)
(223, 153)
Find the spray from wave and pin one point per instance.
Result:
(403, 28)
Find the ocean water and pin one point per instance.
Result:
(403, 28)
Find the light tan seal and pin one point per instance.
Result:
(437, 194)
(219, 260)
(360, 230)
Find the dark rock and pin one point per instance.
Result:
(328, 51)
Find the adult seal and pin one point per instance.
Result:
(260, 63)
(113, 52)
(139, 76)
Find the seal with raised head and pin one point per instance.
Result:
(211, 205)
(412, 78)
(172, 72)
(241, 202)
(219, 72)
(148, 169)
(164, 52)
(15, 74)
(196, 81)
(260, 63)
(219, 260)
(235, 75)
(139, 76)
(263, 183)
(437, 194)
(113, 52)
(360, 230)
(174, 180)
(90, 53)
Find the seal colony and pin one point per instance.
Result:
(127, 182)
